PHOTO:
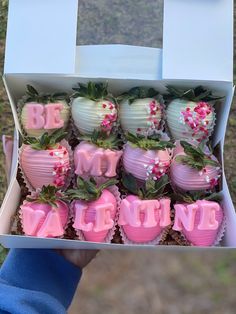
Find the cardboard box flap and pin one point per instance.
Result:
(41, 36)
(119, 61)
(198, 40)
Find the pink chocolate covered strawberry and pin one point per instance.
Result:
(44, 214)
(147, 157)
(145, 213)
(199, 218)
(94, 208)
(42, 113)
(97, 155)
(45, 160)
(194, 169)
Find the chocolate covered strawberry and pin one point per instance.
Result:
(44, 214)
(97, 155)
(190, 113)
(94, 208)
(194, 169)
(93, 108)
(42, 113)
(147, 157)
(45, 160)
(140, 110)
(145, 213)
(199, 218)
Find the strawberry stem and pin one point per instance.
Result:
(87, 190)
(101, 139)
(46, 141)
(149, 142)
(195, 157)
(35, 96)
(199, 93)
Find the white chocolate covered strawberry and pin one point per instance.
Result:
(42, 113)
(93, 108)
(147, 157)
(194, 170)
(94, 208)
(43, 213)
(97, 155)
(140, 110)
(145, 213)
(45, 160)
(199, 218)
(190, 113)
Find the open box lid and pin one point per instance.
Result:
(197, 41)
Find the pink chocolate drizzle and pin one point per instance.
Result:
(44, 167)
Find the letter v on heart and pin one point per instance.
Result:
(31, 219)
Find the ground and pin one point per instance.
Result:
(143, 281)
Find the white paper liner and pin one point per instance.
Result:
(156, 241)
(68, 177)
(221, 232)
(35, 193)
(20, 104)
(110, 235)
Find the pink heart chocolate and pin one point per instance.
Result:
(92, 160)
(96, 218)
(41, 220)
(199, 222)
(143, 221)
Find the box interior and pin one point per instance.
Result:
(15, 85)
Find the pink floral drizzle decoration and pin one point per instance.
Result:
(109, 119)
(195, 119)
(61, 168)
(156, 169)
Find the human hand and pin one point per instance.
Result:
(80, 258)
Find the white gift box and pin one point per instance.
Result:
(41, 50)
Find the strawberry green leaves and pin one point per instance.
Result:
(48, 195)
(191, 197)
(195, 157)
(138, 93)
(199, 93)
(101, 139)
(88, 190)
(93, 91)
(151, 189)
(34, 96)
(148, 143)
(46, 141)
